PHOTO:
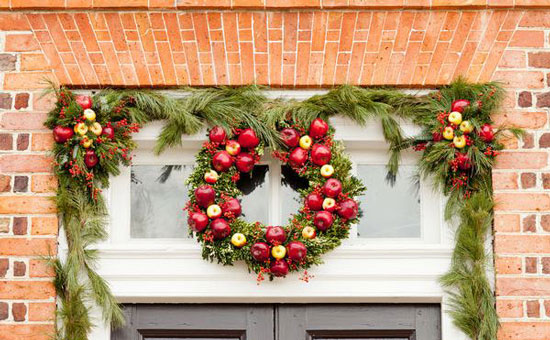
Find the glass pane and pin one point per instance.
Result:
(389, 211)
(290, 198)
(158, 195)
(255, 199)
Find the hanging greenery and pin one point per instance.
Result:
(458, 146)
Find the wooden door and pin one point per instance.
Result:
(204, 322)
(281, 322)
(347, 321)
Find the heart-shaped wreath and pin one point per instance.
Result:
(329, 205)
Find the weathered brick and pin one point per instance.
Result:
(43, 183)
(545, 265)
(19, 226)
(4, 224)
(42, 142)
(25, 163)
(507, 223)
(26, 205)
(19, 268)
(21, 101)
(533, 309)
(528, 180)
(18, 311)
(23, 141)
(528, 140)
(41, 311)
(530, 224)
(4, 266)
(23, 121)
(543, 100)
(539, 59)
(522, 160)
(5, 101)
(40, 268)
(510, 308)
(525, 99)
(531, 265)
(26, 290)
(546, 180)
(508, 265)
(5, 183)
(29, 331)
(545, 222)
(522, 244)
(6, 141)
(7, 62)
(44, 226)
(21, 184)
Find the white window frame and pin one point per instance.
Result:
(361, 270)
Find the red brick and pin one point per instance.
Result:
(528, 180)
(507, 223)
(529, 223)
(44, 226)
(531, 265)
(522, 160)
(524, 331)
(40, 268)
(41, 311)
(505, 180)
(13, 22)
(4, 266)
(25, 163)
(510, 308)
(21, 43)
(26, 205)
(527, 39)
(23, 121)
(25, 290)
(522, 202)
(508, 265)
(533, 309)
(522, 244)
(27, 332)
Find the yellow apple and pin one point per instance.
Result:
(214, 211)
(233, 147)
(459, 142)
(329, 204)
(278, 252)
(96, 128)
(455, 117)
(211, 176)
(466, 126)
(86, 142)
(89, 114)
(238, 240)
(305, 142)
(81, 129)
(327, 170)
(448, 133)
(309, 233)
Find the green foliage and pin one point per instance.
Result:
(83, 212)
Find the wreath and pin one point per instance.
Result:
(328, 210)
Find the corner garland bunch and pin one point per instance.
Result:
(322, 222)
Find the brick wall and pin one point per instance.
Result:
(424, 43)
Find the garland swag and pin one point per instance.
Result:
(94, 138)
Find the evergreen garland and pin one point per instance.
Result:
(83, 212)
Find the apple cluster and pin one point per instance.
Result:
(86, 130)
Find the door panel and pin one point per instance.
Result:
(373, 321)
(205, 322)
(281, 322)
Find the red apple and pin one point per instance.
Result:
(260, 251)
(318, 128)
(217, 134)
(233, 147)
(290, 137)
(279, 268)
(297, 157)
(320, 154)
(275, 235)
(248, 139)
(314, 201)
(245, 162)
(464, 162)
(109, 132)
(297, 251)
(233, 206)
(61, 134)
(205, 195)
(347, 209)
(459, 105)
(332, 187)
(220, 228)
(90, 158)
(222, 161)
(85, 102)
(323, 220)
(486, 133)
(197, 221)
(437, 136)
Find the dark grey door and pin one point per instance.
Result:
(282, 322)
